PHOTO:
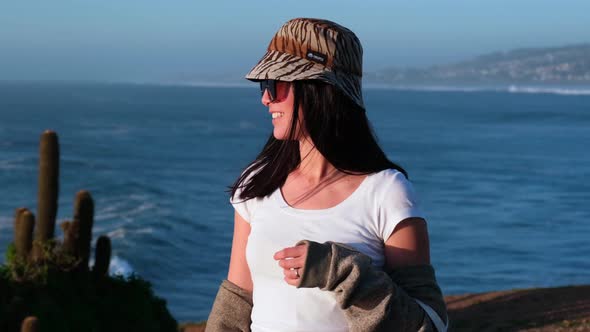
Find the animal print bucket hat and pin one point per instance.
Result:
(314, 49)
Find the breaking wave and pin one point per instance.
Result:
(557, 91)
(118, 266)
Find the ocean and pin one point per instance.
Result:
(502, 176)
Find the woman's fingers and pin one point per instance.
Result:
(292, 277)
(290, 252)
(292, 259)
(291, 273)
(291, 263)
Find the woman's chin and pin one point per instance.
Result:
(279, 134)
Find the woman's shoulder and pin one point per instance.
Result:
(391, 173)
(389, 177)
(391, 184)
(393, 200)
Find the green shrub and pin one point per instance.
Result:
(73, 301)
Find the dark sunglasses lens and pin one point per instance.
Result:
(269, 85)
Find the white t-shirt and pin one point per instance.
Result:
(364, 221)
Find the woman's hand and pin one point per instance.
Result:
(292, 260)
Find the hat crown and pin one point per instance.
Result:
(314, 49)
(320, 41)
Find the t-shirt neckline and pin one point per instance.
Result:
(284, 206)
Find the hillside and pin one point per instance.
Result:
(568, 65)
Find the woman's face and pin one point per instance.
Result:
(281, 110)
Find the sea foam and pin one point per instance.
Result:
(557, 91)
(118, 266)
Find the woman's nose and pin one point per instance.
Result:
(265, 98)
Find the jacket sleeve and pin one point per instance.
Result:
(231, 309)
(372, 300)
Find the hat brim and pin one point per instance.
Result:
(280, 66)
(285, 67)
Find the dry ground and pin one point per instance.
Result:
(556, 309)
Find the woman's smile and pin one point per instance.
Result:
(276, 115)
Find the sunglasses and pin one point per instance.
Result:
(271, 87)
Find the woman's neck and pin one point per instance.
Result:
(314, 167)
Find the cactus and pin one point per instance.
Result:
(45, 259)
(71, 232)
(36, 243)
(23, 233)
(16, 214)
(30, 324)
(102, 256)
(48, 186)
(84, 217)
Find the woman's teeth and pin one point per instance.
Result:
(277, 115)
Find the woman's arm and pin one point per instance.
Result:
(233, 304)
(373, 300)
(239, 272)
(408, 244)
(407, 261)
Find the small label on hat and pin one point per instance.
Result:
(317, 57)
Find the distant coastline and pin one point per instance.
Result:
(553, 66)
(581, 90)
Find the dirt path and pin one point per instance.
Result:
(556, 309)
(538, 309)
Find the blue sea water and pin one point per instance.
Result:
(503, 177)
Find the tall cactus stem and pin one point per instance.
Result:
(84, 215)
(48, 186)
(30, 324)
(102, 256)
(23, 234)
(17, 212)
(71, 232)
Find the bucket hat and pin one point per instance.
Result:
(314, 49)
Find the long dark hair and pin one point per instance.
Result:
(338, 128)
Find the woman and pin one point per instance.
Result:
(327, 235)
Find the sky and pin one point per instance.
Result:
(167, 41)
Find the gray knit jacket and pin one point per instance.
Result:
(371, 299)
